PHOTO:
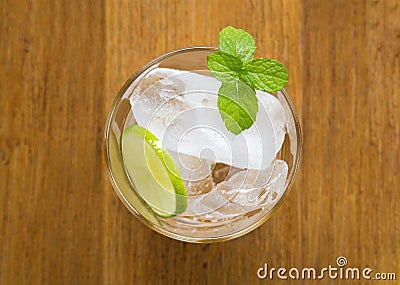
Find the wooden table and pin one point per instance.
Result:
(61, 65)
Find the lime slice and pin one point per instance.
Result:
(153, 172)
(123, 184)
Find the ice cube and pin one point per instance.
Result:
(277, 184)
(243, 192)
(195, 172)
(180, 108)
(277, 115)
(223, 171)
(257, 188)
(214, 205)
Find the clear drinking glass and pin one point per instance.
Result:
(224, 201)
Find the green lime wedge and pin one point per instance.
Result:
(153, 172)
(123, 184)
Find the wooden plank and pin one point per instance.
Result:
(351, 52)
(52, 114)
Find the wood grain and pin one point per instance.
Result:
(61, 65)
(52, 115)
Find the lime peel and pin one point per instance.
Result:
(153, 172)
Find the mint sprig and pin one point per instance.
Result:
(234, 65)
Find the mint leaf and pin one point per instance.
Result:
(237, 105)
(238, 43)
(266, 75)
(223, 66)
(234, 65)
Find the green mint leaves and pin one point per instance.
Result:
(266, 74)
(237, 43)
(234, 65)
(237, 105)
(224, 67)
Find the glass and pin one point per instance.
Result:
(237, 200)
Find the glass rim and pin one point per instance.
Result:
(159, 229)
